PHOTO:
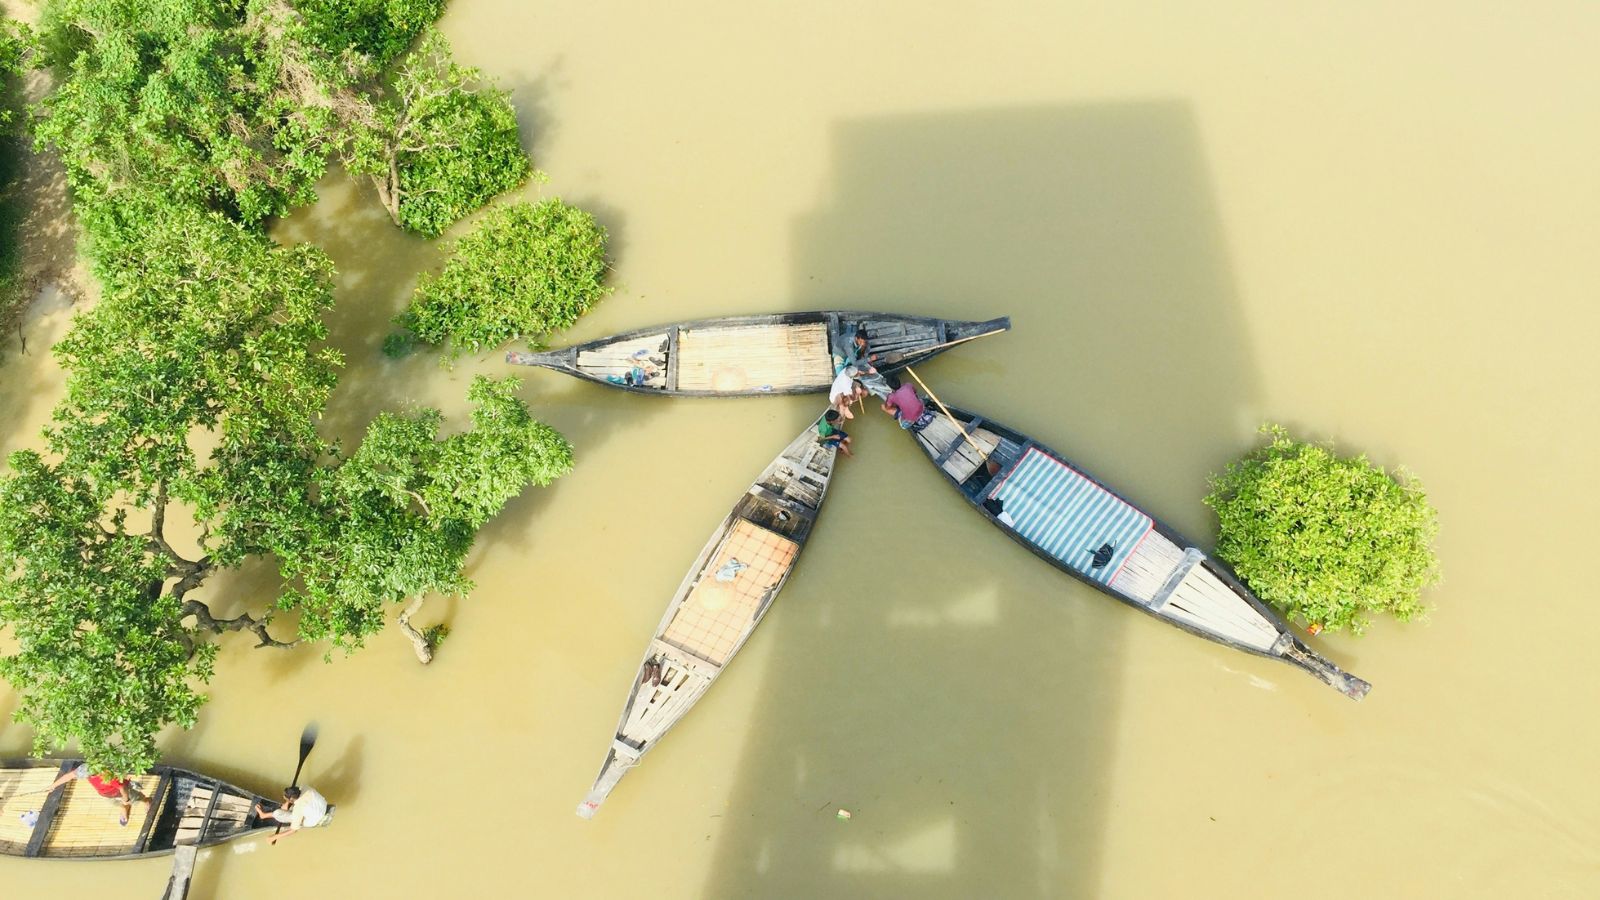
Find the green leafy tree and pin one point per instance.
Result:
(1326, 539)
(381, 29)
(441, 145)
(195, 386)
(212, 99)
(526, 269)
(399, 516)
(16, 44)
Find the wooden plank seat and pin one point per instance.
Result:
(960, 458)
(229, 813)
(616, 360)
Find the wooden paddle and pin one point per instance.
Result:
(982, 453)
(308, 739)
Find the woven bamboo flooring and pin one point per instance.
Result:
(751, 357)
(712, 618)
(86, 823)
(21, 790)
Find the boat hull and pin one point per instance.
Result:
(721, 600)
(1077, 524)
(74, 822)
(740, 356)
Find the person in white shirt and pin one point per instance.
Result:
(302, 808)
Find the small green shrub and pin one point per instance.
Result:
(525, 270)
(1325, 539)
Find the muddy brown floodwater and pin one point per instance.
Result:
(1374, 223)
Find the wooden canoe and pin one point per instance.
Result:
(720, 602)
(1075, 523)
(785, 353)
(74, 822)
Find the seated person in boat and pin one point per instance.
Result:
(846, 390)
(829, 434)
(906, 407)
(857, 354)
(119, 791)
(302, 808)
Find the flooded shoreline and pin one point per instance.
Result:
(1355, 223)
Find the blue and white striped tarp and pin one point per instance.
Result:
(1068, 516)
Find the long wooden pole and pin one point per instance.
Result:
(982, 453)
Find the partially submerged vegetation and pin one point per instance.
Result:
(439, 145)
(1328, 540)
(525, 270)
(195, 386)
(13, 45)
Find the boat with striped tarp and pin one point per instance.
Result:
(784, 353)
(719, 604)
(186, 809)
(1044, 502)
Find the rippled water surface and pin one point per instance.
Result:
(1374, 225)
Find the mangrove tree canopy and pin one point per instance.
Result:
(1328, 540)
(526, 269)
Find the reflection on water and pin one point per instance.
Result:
(1352, 223)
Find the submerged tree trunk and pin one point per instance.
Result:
(419, 642)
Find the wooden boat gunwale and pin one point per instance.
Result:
(564, 359)
(1290, 648)
(616, 765)
(169, 777)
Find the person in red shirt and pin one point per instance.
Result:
(120, 791)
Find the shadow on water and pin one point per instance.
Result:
(955, 694)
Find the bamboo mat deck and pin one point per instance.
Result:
(21, 791)
(712, 618)
(751, 357)
(86, 823)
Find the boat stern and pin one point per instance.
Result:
(550, 359)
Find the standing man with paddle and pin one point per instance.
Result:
(302, 807)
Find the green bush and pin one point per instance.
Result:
(382, 29)
(1325, 539)
(475, 154)
(526, 269)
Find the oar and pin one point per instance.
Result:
(982, 453)
(308, 739)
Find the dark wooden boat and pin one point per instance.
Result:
(1075, 523)
(719, 604)
(786, 353)
(186, 809)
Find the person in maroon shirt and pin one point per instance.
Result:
(906, 407)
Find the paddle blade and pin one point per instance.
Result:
(308, 739)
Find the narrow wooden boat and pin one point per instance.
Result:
(1075, 523)
(74, 822)
(720, 602)
(786, 353)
